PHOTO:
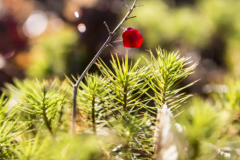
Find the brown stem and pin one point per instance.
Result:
(75, 87)
(47, 123)
(93, 116)
(60, 116)
(45, 119)
(125, 99)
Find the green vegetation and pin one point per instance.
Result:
(121, 115)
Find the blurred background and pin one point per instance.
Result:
(49, 38)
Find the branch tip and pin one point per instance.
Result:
(131, 17)
(127, 4)
(107, 27)
(136, 6)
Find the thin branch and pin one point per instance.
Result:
(109, 32)
(127, 4)
(136, 6)
(117, 41)
(75, 87)
(131, 17)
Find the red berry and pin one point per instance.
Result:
(132, 38)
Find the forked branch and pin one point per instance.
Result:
(106, 43)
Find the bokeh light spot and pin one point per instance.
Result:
(82, 28)
(35, 24)
(76, 14)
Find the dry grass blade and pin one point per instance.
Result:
(165, 146)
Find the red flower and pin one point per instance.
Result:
(132, 38)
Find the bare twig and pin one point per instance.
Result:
(117, 41)
(127, 4)
(136, 6)
(109, 32)
(75, 87)
(131, 17)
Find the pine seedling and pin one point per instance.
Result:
(126, 83)
(41, 103)
(203, 125)
(4, 108)
(9, 128)
(134, 137)
(126, 98)
(92, 97)
(168, 70)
